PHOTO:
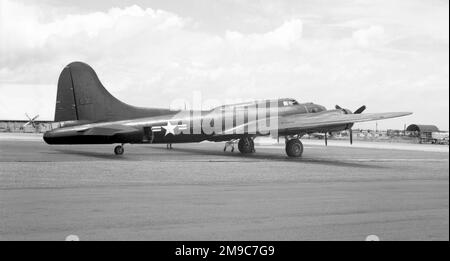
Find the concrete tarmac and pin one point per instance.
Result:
(199, 192)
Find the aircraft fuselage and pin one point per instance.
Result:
(189, 126)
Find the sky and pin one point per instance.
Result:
(387, 55)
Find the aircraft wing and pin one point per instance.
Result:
(312, 121)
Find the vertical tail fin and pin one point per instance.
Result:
(81, 96)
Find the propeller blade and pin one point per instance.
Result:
(360, 110)
(351, 136)
(35, 117)
(29, 118)
(338, 107)
(26, 124)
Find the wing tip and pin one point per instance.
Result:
(405, 113)
(391, 115)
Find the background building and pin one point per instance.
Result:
(427, 133)
(22, 126)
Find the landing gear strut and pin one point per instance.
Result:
(229, 144)
(246, 145)
(169, 146)
(294, 148)
(118, 150)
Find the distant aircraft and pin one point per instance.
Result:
(89, 114)
(31, 121)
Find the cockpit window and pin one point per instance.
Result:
(289, 102)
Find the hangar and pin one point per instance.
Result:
(424, 132)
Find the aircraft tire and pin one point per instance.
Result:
(246, 145)
(294, 148)
(118, 150)
(252, 145)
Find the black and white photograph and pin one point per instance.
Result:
(224, 121)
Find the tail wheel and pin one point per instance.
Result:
(294, 148)
(246, 145)
(118, 150)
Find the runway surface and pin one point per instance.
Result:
(199, 192)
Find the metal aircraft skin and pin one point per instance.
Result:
(89, 114)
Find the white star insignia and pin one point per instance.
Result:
(169, 128)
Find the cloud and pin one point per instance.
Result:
(22, 30)
(288, 34)
(374, 35)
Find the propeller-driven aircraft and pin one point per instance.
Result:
(89, 114)
(31, 121)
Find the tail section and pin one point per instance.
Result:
(81, 96)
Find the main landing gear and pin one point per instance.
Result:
(118, 150)
(294, 148)
(246, 145)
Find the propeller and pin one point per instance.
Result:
(350, 133)
(31, 120)
(360, 109)
(350, 130)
